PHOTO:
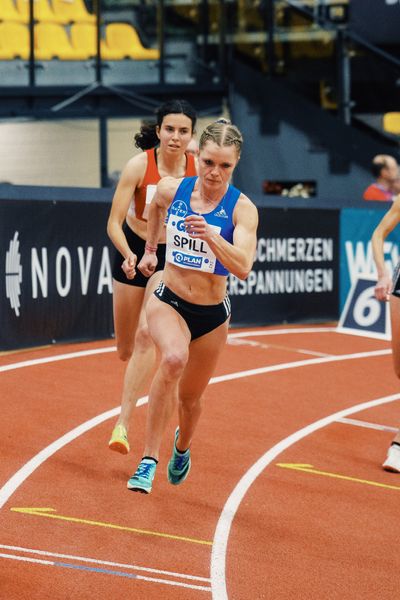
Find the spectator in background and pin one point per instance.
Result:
(386, 172)
(396, 186)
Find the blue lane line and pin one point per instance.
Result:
(96, 570)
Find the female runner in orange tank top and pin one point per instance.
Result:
(164, 144)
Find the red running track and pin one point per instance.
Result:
(251, 522)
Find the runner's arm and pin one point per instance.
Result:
(387, 224)
(237, 257)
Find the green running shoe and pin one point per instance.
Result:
(142, 480)
(119, 440)
(179, 464)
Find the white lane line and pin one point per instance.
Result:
(104, 571)
(55, 358)
(310, 352)
(367, 425)
(79, 354)
(217, 566)
(26, 559)
(287, 331)
(220, 542)
(299, 363)
(28, 468)
(244, 342)
(108, 563)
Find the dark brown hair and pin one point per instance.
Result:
(147, 136)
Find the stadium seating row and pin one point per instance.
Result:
(53, 40)
(46, 11)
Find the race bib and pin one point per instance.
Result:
(188, 252)
(150, 191)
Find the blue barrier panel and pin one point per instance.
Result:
(356, 228)
(363, 314)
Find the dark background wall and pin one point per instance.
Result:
(55, 264)
(287, 137)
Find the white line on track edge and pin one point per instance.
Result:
(220, 541)
(124, 573)
(218, 557)
(28, 468)
(367, 425)
(107, 563)
(81, 353)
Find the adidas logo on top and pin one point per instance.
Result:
(221, 213)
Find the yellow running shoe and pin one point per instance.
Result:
(119, 440)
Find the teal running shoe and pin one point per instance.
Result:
(179, 465)
(142, 479)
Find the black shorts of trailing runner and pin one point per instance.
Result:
(396, 281)
(200, 318)
(136, 244)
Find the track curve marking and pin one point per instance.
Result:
(218, 557)
(220, 542)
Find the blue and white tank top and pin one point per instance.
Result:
(192, 253)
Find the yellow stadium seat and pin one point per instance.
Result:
(42, 11)
(5, 54)
(391, 122)
(14, 38)
(9, 12)
(125, 38)
(52, 41)
(72, 11)
(84, 37)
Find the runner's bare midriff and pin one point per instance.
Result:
(194, 286)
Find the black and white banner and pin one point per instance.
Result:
(56, 282)
(295, 275)
(55, 274)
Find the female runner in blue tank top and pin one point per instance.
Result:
(211, 232)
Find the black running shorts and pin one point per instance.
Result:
(136, 244)
(200, 318)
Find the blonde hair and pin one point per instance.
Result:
(222, 133)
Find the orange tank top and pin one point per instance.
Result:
(144, 194)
